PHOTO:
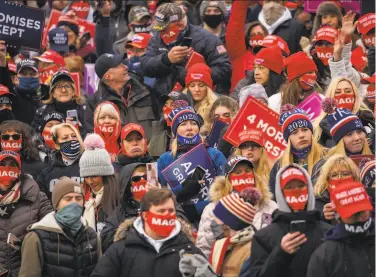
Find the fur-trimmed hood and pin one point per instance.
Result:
(326, 8)
(121, 232)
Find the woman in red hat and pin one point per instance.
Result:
(199, 84)
(267, 71)
(301, 76)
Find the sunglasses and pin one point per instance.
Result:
(136, 179)
(14, 137)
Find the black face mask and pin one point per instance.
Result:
(213, 20)
(6, 114)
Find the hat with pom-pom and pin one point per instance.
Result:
(367, 172)
(181, 113)
(341, 121)
(292, 118)
(95, 161)
(238, 210)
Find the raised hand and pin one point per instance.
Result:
(348, 26)
(338, 47)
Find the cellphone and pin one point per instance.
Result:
(198, 174)
(73, 114)
(298, 226)
(13, 241)
(152, 173)
(3, 271)
(187, 41)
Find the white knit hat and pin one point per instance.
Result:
(255, 90)
(95, 161)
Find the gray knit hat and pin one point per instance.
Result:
(95, 161)
(219, 4)
(255, 90)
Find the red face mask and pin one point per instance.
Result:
(226, 119)
(161, 224)
(255, 40)
(243, 181)
(8, 174)
(166, 111)
(368, 40)
(324, 54)
(345, 101)
(81, 9)
(138, 189)
(296, 198)
(371, 92)
(307, 81)
(108, 132)
(333, 183)
(48, 139)
(170, 36)
(12, 145)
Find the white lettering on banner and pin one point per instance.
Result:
(271, 131)
(187, 166)
(20, 21)
(293, 199)
(164, 222)
(178, 175)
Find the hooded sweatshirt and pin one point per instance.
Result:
(47, 250)
(268, 257)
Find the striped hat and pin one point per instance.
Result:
(368, 173)
(292, 118)
(235, 212)
(341, 121)
(181, 114)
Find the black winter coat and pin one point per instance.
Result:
(156, 64)
(127, 209)
(342, 255)
(267, 257)
(135, 106)
(32, 206)
(133, 256)
(57, 169)
(61, 108)
(291, 31)
(32, 167)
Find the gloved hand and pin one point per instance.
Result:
(189, 189)
(203, 268)
(217, 230)
(186, 264)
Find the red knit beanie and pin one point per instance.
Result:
(270, 58)
(199, 72)
(298, 64)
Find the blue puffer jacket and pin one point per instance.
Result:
(156, 64)
(215, 155)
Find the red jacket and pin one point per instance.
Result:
(241, 59)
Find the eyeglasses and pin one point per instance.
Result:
(338, 175)
(65, 87)
(138, 178)
(14, 137)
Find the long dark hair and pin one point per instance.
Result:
(29, 150)
(111, 194)
(274, 83)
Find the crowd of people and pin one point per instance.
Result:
(92, 183)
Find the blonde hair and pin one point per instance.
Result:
(204, 106)
(263, 167)
(330, 164)
(317, 152)
(80, 100)
(106, 108)
(340, 148)
(330, 92)
(55, 133)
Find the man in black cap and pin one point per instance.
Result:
(58, 41)
(166, 57)
(123, 89)
(27, 92)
